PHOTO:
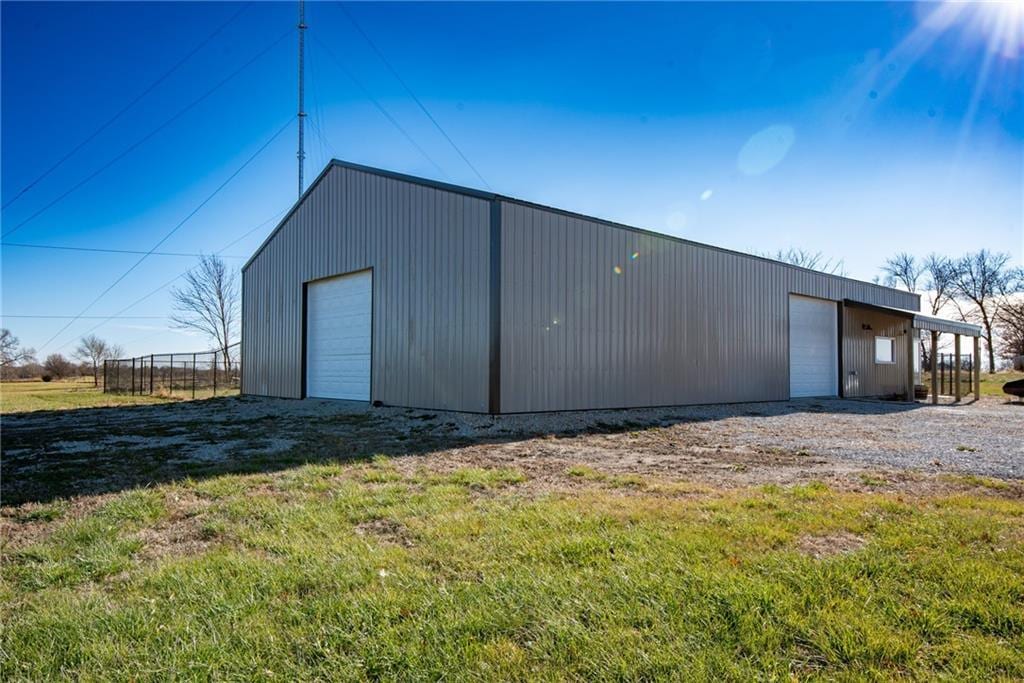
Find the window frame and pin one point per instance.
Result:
(892, 350)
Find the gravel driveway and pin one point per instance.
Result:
(62, 453)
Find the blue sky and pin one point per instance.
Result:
(854, 129)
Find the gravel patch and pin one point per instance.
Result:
(986, 437)
(96, 451)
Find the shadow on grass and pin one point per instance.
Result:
(89, 451)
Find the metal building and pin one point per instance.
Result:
(379, 286)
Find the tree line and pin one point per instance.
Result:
(19, 362)
(982, 288)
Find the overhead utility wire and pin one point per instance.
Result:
(175, 228)
(125, 108)
(87, 317)
(378, 105)
(104, 251)
(415, 99)
(145, 138)
(177, 277)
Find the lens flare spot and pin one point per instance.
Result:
(705, 195)
(676, 220)
(634, 256)
(766, 149)
(617, 270)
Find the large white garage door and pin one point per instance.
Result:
(338, 316)
(813, 351)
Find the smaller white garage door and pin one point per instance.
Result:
(813, 350)
(338, 318)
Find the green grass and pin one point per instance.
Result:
(992, 385)
(25, 396)
(366, 571)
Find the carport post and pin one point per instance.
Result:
(911, 350)
(935, 367)
(977, 368)
(956, 364)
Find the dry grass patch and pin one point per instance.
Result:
(830, 545)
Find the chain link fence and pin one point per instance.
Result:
(192, 375)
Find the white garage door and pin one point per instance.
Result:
(813, 352)
(338, 315)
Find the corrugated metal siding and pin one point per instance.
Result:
(683, 323)
(429, 252)
(949, 326)
(862, 376)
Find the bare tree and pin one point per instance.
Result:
(11, 353)
(94, 351)
(903, 270)
(985, 279)
(1010, 326)
(209, 303)
(941, 273)
(805, 259)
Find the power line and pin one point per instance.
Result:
(145, 138)
(409, 90)
(125, 108)
(62, 247)
(88, 317)
(174, 229)
(378, 105)
(177, 277)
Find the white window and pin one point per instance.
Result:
(885, 350)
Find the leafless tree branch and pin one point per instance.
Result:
(208, 302)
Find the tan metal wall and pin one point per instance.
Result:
(429, 252)
(862, 376)
(683, 323)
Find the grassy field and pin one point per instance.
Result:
(992, 385)
(507, 557)
(365, 571)
(24, 396)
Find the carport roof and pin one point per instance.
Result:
(921, 321)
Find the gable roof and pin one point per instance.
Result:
(491, 196)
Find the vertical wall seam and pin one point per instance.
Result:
(494, 374)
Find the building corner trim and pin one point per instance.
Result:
(494, 373)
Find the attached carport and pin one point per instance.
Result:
(912, 324)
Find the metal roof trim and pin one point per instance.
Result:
(920, 320)
(460, 189)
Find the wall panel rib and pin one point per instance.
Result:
(587, 325)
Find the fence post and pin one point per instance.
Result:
(214, 373)
(104, 375)
(117, 375)
(193, 376)
(150, 374)
(172, 375)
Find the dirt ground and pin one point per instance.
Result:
(855, 445)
